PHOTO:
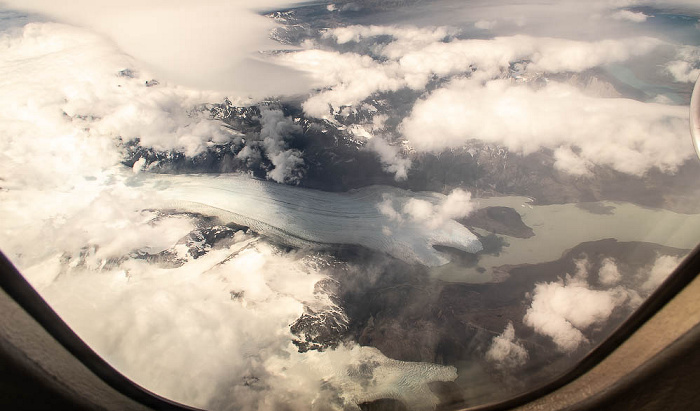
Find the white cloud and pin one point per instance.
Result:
(346, 78)
(683, 71)
(505, 351)
(566, 159)
(636, 17)
(60, 190)
(63, 106)
(386, 207)
(457, 204)
(485, 24)
(433, 210)
(609, 274)
(626, 135)
(155, 323)
(287, 164)
(686, 67)
(416, 55)
(276, 128)
(419, 209)
(208, 45)
(391, 158)
(407, 36)
(237, 352)
(552, 55)
(559, 55)
(547, 315)
(662, 268)
(563, 310)
(566, 18)
(424, 220)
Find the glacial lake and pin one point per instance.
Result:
(560, 227)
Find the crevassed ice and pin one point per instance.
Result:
(311, 218)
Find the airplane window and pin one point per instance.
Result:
(393, 204)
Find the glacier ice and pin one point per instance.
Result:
(311, 218)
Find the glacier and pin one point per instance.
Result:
(308, 218)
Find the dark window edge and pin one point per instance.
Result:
(19, 289)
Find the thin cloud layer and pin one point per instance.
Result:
(212, 45)
(626, 135)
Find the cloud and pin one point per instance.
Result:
(609, 274)
(485, 24)
(458, 204)
(238, 351)
(211, 45)
(626, 135)
(433, 212)
(153, 323)
(662, 268)
(635, 17)
(346, 78)
(386, 207)
(567, 160)
(415, 56)
(505, 351)
(572, 19)
(428, 219)
(287, 165)
(69, 98)
(564, 309)
(686, 67)
(276, 129)
(419, 209)
(79, 96)
(391, 158)
(545, 54)
(406, 36)
(89, 217)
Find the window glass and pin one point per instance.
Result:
(358, 204)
